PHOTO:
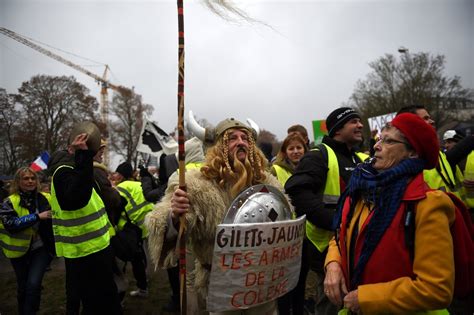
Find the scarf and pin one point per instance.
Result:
(385, 191)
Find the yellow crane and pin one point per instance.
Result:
(105, 84)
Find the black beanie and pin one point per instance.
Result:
(337, 119)
(125, 169)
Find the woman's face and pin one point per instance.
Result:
(27, 181)
(294, 151)
(390, 149)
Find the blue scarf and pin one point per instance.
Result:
(385, 191)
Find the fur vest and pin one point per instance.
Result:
(208, 204)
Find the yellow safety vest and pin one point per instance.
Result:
(321, 237)
(469, 168)
(81, 232)
(137, 207)
(282, 174)
(16, 244)
(434, 179)
(362, 156)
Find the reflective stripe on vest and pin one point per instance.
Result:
(137, 207)
(435, 180)
(469, 169)
(81, 232)
(332, 190)
(282, 174)
(17, 244)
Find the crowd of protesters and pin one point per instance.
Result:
(358, 207)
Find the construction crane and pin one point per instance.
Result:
(105, 84)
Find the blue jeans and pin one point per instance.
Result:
(29, 271)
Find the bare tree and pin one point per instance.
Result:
(412, 79)
(9, 124)
(50, 106)
(128, 110)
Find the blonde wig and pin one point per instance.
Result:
(238, 175)
(15, 185)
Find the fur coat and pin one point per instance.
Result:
(208, 204)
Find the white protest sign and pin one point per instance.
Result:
(254, 263)
(378, 122)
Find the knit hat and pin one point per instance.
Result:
(421, 136)
(125, 169)
(338, 118)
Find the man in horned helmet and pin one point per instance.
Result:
(232, 164)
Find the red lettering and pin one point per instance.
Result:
(236, 261)
(223, 263)
(250, 298)
(234, 298)
(250, 279)
(276, 255)
(248, 259)
(263, 259)
(278, 273)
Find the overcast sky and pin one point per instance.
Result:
(298, 70)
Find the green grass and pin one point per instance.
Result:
(53, 297)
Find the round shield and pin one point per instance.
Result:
(258, 204)
(93, 142)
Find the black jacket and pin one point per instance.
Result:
(74, 186)
(306, 186)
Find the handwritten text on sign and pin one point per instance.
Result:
(254, 263)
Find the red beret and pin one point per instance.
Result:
(421, 136)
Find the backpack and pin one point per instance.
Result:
(462, 232)
(127, 244)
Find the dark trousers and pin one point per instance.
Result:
(29, 270)
(294, 299)
(173, 277)
(139, 270)
(90, 278)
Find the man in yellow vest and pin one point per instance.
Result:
(81, 227)
(136, 209)
(314, 189)
(442, 176)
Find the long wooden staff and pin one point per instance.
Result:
(181, 159)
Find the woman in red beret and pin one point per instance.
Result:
(370, 267)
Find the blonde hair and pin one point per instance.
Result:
(238, 175)
(15, 185)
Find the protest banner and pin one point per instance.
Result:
(254, 263)
(378, 122)
(319, 130)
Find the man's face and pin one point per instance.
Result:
(423, 114)
(238, 145)
(99, 156)
(449, 144)
(351, 133)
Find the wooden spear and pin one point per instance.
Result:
(181, 159)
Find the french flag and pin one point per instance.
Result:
(41, 162)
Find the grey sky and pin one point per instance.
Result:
(299, 70)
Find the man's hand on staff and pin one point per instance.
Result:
(179, 204)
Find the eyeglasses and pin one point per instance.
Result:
(390, 141)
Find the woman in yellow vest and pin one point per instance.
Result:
(292, 150)
(26, 237)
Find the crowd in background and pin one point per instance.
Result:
(378, 231)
